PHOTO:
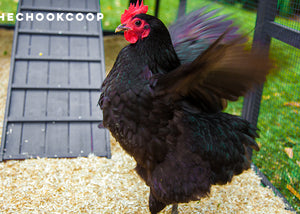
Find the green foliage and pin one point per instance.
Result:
(284, 7)
(8, 6)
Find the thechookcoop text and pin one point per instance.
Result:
(51, 17)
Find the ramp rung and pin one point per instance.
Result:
(53, 119)
(52, 58)
(58, 33)
(58, 9)
(54, 87)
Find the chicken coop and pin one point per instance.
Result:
(50, 114)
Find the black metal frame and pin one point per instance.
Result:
(266, 29)
(267, 183)
(156, 5)
(181, 9)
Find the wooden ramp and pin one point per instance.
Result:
(57, 68)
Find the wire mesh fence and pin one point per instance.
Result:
(279, 124)
(279, 117)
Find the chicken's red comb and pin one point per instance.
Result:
(134, 10)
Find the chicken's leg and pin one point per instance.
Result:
(174, 209)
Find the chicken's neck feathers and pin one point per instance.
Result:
(158, 53)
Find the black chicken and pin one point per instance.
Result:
(163, 99)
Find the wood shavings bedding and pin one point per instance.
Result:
(100, 185)
(67, 185)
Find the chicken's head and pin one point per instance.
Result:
(134, 27)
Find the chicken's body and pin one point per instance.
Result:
(182, 146)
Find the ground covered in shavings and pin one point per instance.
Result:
(100, 185)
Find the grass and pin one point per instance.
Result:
(279, 113)
(8, 6)
(279, 123)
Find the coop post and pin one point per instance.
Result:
(156, 6)
(132, 2)
(265, 14)
(182, 8)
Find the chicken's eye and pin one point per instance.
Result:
(138, 23)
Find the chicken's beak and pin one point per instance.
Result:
(121, 27)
